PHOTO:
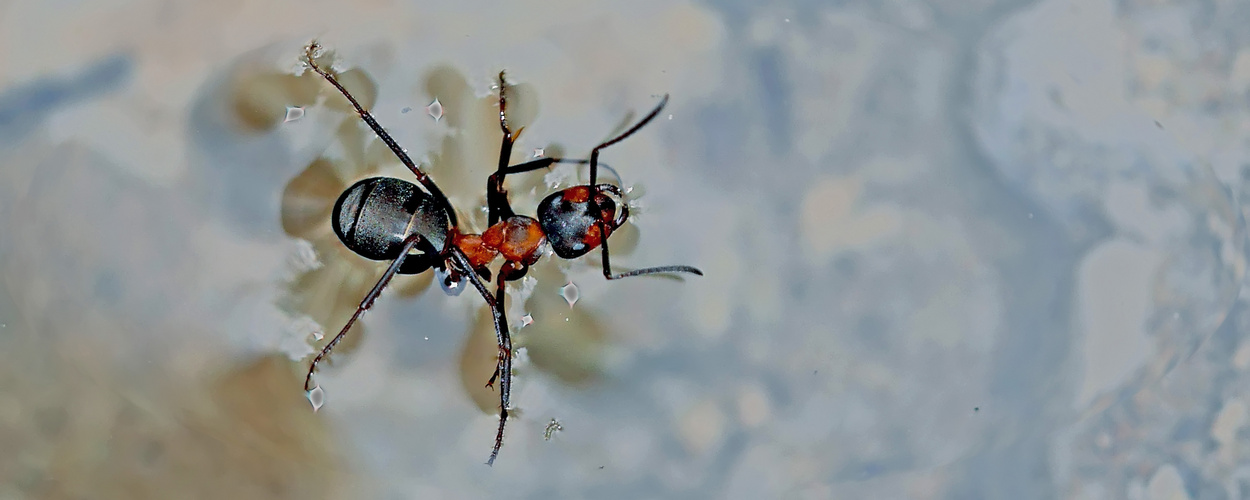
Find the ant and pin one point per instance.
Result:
(384, 218)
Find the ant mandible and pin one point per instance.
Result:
(383, 218)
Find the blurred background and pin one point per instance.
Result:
(953, 250)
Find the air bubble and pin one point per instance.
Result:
(318, 335)
(552, 427)
(293, 113)
(435, 109)
(670, 117)
(526, 320)
(451, 286)
(570, 293)
(538, 152)
(317, 397)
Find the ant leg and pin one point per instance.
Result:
(409, 244)
(534, 165)
(426, 181)
(503, 106)
(603, 230)
(498, 207)
(501, 321)
(504, 169)
(495, 183)
(504, 369)
(607, 266)
(594, 153)
(509, 271)
(538, 164)
(496, 197)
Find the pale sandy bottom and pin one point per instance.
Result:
(953, 249)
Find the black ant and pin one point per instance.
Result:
(383, 218)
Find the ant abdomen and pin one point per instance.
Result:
(375, 215)
(568, 220)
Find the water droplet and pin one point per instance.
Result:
(293, 113)
(427, 338)
(787, 19)
(302, 327)
(405, 110)
(552, 427)
(435, 109)
(570, 293)
(670, 117)
(452, 284)
(526, 320)
(538, 152)
(317, 397)
(1030, 215)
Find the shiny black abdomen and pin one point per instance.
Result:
(373, 216)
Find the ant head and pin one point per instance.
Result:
(571, 218)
